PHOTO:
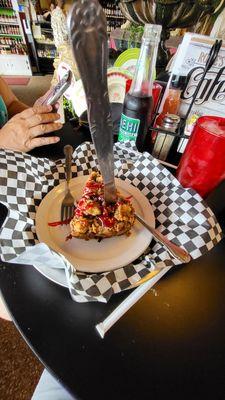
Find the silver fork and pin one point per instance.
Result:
(67, 207)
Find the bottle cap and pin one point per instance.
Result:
(178, 81)
(170, 121)
(172, 118)
(152, 32)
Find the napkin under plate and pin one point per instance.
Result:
(180, 213)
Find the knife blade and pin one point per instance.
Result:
(88, 33)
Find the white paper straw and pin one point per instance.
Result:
(105, 325)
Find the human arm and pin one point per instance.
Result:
(59, 27)
(46, 14)
(13, 104)
(64, 28)
(24, 131)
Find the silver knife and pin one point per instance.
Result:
(173, 249)
(88, 33)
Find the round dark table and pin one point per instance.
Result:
(169, 345)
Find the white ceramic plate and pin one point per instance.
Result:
(93, 256)
(119, 71)
(116, 88)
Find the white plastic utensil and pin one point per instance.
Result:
(105, 325)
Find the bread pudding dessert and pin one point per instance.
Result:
(94, 219)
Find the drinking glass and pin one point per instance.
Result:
(202, 165)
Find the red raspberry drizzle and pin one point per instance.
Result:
(107, 221)
(57, 223)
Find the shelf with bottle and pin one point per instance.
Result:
(113, 15)
(7, 23)
(10, 35)
(46, 37)
(45, 47)
(13, 46)
(114, 11)
(45, 41)
(6, 4)
(10, 30)
(46, 53)
(48, 57)
(8, 17)
(113, 24)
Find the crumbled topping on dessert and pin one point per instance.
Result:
(93, 218)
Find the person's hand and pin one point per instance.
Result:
(24, 131)
(42, 99)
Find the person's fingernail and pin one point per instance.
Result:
(57, 139)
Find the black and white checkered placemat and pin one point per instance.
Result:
(180, 213)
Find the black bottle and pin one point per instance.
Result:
(138, 101)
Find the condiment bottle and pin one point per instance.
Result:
(172, 101)
(138, 101)
(163, 141)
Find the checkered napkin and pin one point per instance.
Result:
(180, 213)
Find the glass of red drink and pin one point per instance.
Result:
(202, 166)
